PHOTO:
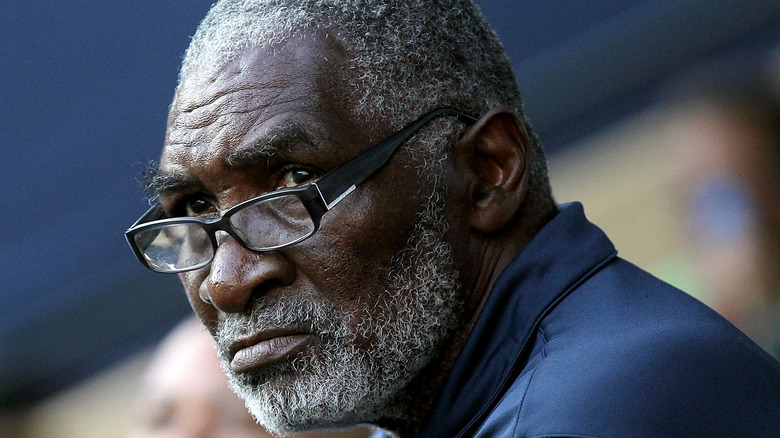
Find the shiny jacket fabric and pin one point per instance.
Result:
(574, 341)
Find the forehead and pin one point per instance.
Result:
(268, 96)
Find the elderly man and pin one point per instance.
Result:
(360, 215)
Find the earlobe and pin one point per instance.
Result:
(494, 155)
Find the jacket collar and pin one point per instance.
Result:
(564, 252)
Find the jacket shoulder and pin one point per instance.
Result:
(627, 355)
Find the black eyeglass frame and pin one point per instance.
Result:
(318, 197)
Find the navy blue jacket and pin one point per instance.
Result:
(574, 341)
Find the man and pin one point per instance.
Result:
(184, 393)
(427, 284)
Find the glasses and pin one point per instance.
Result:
(265, 223)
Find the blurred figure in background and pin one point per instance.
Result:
(728, 134)
(184, 393)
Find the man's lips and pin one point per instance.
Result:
(265, 348)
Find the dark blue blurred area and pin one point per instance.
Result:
(84, 88)
(84, 92)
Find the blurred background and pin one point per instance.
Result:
(661, 116)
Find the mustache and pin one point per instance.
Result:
(301, 311)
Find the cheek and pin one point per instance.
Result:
(353, 251)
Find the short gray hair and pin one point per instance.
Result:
(408, 57)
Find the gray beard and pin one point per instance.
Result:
(343, 381)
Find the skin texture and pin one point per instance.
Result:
(253, 101)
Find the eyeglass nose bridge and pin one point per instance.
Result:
(211, 229)
(221, 232)
(223, 224)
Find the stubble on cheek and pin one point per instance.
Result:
(367, 350)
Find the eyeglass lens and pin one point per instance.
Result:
(174, 246)
(273, 222)
(264, 224)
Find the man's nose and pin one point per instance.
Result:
(238, 274)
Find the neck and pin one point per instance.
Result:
(408, 410)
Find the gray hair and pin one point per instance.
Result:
(408, 57)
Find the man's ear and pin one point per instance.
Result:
(493, 158)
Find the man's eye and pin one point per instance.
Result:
(198, 207)
(294, 178)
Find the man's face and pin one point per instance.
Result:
(328, 331)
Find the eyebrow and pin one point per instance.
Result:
(273, 141)
(157, 182)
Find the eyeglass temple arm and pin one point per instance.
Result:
(334, 186)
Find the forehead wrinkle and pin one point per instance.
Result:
(241, 100)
